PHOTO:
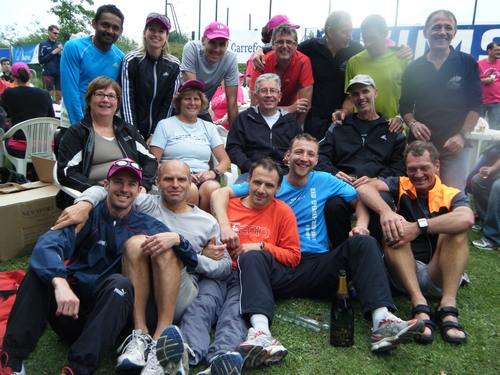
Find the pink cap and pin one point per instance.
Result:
(277, 20)
(18, 65)
(127, 164)
(160, 17)
(216, 30)
(192, 83)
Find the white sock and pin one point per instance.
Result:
(378, 315)
(260, 323)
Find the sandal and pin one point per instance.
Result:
(446, 326)
(428, 323)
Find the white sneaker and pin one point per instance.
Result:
(133, 351)
(260, 348)
(152, 365)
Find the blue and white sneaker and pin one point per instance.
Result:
(171, 353)
(225, 364)
(133, 351)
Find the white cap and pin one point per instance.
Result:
(363, 79)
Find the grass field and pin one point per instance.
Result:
(310, 352)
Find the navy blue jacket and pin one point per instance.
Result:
(88, 259)
(51, 62)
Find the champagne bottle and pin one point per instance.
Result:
(342, 316)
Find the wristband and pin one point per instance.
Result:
(413, 123)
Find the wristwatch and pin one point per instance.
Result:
(217, 173)
(465, 134)
(423, 224)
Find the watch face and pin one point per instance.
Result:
(422, 223)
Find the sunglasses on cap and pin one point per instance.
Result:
(159, 16)
(123, 163)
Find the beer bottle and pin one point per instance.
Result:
(342, 316)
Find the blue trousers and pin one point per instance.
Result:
(486, 193)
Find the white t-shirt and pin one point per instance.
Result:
(191, 143)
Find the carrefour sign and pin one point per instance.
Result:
(472, 39)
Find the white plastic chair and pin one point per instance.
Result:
(71, 192)
(232, 174)
(39, 134)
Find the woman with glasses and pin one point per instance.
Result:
(192, 140)
(91, 144)
(149, 78)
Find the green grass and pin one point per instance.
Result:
(311, 353)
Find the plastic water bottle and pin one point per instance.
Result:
(302, 321)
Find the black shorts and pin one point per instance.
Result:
(51, 81)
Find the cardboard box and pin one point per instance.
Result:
(43, 168)
(24, 216)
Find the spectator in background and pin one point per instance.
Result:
(294, 70)
(22, 103)
(218, 104)
(210, 62)
(489, 71)
(92, 143)
(6, 69)
(89, 57)
(149, 78)
(441, 97)
(49, 54)
(486, 191)
(192, 140)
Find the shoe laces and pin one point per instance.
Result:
(152, 363)
(4, 369)
(134, 340)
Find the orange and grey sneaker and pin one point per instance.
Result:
(393, 331)
(260, 348)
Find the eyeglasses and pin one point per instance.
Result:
(268, 91)
(287, 42)
(123, 163)
(162, 17)
(111, 97)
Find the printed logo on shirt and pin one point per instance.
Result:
(454, 83)
(384, 137)
(120, 292)
(127, 138)
(194, 137)
(254, 230)
(165, 74)
(116, 65)
(102, 243)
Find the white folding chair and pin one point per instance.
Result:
(71, 192)
(39, 134)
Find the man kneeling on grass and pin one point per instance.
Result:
(263, 278)
(74, 280)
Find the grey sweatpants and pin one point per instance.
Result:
(217, 304)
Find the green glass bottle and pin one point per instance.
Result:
(342, 316)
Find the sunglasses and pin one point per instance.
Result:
(53, 32)
(123, 163)
(162, 17)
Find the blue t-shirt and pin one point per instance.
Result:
(308, 203)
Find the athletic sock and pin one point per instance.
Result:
(260, 323)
